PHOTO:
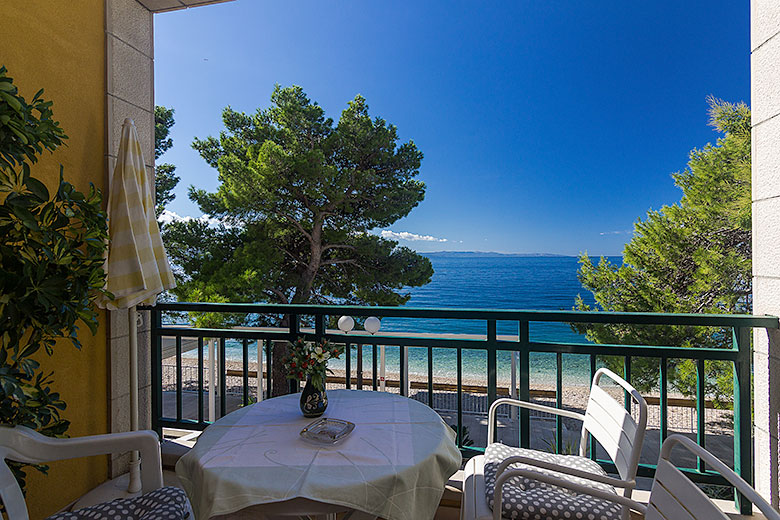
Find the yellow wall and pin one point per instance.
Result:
(59, 45)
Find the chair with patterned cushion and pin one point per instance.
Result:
(24, 445)
(605, 419)
(673, 495)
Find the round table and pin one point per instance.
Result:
(394, 465)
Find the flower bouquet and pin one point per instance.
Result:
(309, 361)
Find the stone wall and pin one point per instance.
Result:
(765, 103)
(129, 93)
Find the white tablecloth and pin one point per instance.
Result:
(394, 465)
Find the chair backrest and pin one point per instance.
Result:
(28, 446)
(674, 495)
(613, 426)
(15, 445)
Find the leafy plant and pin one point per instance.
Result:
(24, 134)
(569, 446)
(51, 264)
(463, 435)
(309, 360)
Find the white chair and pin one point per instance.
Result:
(673, 495)
(609, 423)
(28, 446)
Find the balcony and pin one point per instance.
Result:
(194, 381)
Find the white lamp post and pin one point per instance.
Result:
(346, 324)
(372, 325)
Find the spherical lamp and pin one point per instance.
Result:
(346, 324)
(372, 324)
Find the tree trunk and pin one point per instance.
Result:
(281, 385)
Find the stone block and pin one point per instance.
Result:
(766, 159)
(130, 74)
(144, 321)
(145, 407)
(766, 253)
(765, 81)
(765, 21)
(118, 110)
(120, 413)
(766, 465)
(120, 366)
(761, 400)
(144, 359)
(118, 324)
(131, 22)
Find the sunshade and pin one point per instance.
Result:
(137, 266)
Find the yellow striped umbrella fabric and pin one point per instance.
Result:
(137, 267)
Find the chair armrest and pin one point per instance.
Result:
(549, 479)
(625, 484)
(524, 404)
(25, 445)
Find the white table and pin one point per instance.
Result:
(394, 465)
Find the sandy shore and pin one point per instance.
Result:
(574, 397)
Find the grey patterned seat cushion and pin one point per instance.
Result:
(166, 503)
(533, 500)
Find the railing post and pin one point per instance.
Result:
(402, 374)
(156, 370)
(269, 367)
(492, 368)
(259, 370)
(295, 331)
(743, 460)
(200, 379)
(663, 400)
(513, 385)
(245, 371)
(558, 401)
(373, 367)
(179, 396)
(212, 381)
(701, 402)
(319, 326)
(360, 366)
(348, 365)
(627, 377)
(525, 384)
(222, 378)
(591, 440)
(459, 397)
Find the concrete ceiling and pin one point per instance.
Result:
(159, 6)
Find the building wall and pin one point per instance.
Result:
(765, 101)
(129, 94)
(60, 46)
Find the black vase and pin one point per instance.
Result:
(314, 401)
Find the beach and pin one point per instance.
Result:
(575, 397)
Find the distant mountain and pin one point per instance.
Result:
(489, 254)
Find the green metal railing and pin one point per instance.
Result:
(739, 355)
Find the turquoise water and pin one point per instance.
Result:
(533, 283)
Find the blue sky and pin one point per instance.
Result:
(547, 126)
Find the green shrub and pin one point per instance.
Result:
(51, 264)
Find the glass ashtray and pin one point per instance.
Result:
(327, 431)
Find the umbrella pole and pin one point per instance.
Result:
(134, 485)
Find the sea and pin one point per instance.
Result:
(483, 281)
